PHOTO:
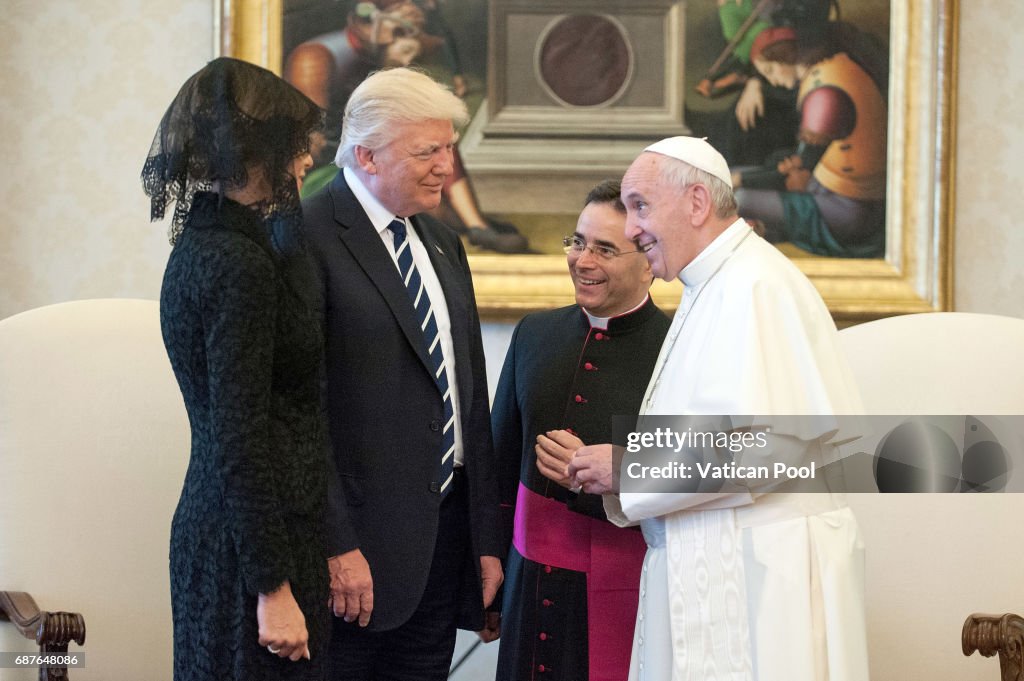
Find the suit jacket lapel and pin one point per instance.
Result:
(364, 242)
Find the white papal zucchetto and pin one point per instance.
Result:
(696, 152)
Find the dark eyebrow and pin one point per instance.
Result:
(598, 242)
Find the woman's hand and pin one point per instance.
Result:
(282, 626)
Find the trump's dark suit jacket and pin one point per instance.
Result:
(385, 411)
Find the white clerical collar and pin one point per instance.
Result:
(380, 217)
(710, 259)
(602, 322)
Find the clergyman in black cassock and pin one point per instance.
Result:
(571, 578)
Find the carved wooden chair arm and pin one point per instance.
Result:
(53, 631)
(1003, 634)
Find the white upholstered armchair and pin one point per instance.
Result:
(932, 559)
(94, 442)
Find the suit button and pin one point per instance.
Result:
(435, 425)
(435, 487)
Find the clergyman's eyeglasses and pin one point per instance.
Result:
(574, 245)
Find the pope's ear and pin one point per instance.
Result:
(364, 159)
(702, 205)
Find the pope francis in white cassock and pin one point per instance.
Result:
(740, 586)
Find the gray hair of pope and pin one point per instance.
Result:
(390, 97)
(681, 174)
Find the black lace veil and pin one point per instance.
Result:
(230, 123)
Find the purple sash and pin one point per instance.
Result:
(547, 532)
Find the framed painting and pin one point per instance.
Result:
(537, 142)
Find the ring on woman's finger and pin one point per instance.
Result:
(274, 650)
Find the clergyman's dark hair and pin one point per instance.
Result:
(607, 191)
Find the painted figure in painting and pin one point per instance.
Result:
(828, 195)
(763, 117)
(383, 34)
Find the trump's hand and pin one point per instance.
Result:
(351, 587)
(591, 468)
(554, 451)
(491, 577)
(492, 627)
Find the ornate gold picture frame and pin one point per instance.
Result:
(916, 273)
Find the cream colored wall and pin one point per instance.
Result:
(83, 87)
(76, 121)
(990, 159)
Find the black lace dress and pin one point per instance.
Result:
(246, 351)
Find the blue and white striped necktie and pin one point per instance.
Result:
(432, 339)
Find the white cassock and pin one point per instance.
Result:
(733, 586)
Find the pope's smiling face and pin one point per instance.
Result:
(659, 216)
(407, 175)
(607, 285)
